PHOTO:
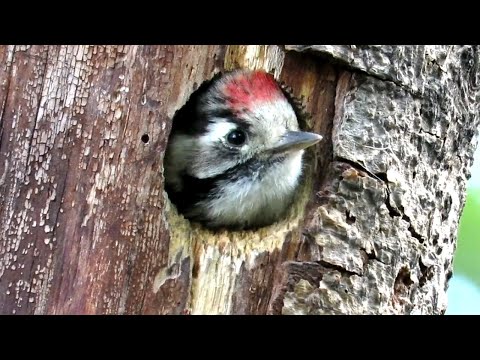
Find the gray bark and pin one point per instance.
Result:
(87, 228)
(405, 130)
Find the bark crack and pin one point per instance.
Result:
(415, 94)
(396, 212)
(430, 133)
(32, 267)
(351, 67)
(54, 223)
(35, 120)
(474, 81)
(379, 176)
(426, 271)
(412, 231)
(393, 211)
(7, 92)
(338, 268)
(61, 199)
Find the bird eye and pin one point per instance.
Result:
(236, 137)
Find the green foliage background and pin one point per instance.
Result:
(467, 255)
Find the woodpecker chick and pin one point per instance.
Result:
(234, 157)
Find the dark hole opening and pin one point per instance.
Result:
(350, 218)
(145, 138)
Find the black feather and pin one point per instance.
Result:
(298, 106)
(196, 190)
(182, 121)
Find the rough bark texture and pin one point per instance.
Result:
(87, 228)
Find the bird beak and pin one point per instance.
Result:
(295, 140)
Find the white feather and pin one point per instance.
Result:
(218, 129)
(250, 199)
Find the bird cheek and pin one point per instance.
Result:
(249, 152)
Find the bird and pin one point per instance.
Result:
(234, 156)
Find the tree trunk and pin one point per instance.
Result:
(87, 228)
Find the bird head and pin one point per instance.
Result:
(234, 129)
(243, 115)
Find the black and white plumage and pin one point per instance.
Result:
(234, 157)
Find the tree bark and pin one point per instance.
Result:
(88, 229)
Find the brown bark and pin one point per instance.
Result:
(87, 227)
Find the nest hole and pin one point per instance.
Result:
(182, 122)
